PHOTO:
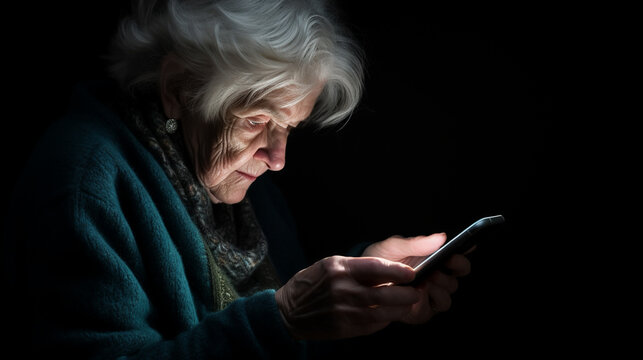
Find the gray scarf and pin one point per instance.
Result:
(232, 232)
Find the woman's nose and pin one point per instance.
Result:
(274, 152)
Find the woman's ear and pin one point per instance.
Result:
(171, 75)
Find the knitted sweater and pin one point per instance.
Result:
(109, 263)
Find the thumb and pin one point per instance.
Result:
(425, 245)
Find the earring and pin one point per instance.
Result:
(171, 125)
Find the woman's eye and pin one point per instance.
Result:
(253, 122)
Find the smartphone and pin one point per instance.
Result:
(459, 244)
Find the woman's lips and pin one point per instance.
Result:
(247, 176)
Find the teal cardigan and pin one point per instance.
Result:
(107, 261)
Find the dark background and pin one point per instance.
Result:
(467, 112)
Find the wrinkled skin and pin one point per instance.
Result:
(341, 297)
(337, 297)
(229, 156)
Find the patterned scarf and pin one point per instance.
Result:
(231, 232)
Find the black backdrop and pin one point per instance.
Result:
(462, 118)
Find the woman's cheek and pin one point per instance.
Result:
(248, 140)
(230, 154)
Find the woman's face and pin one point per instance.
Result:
(252, 143)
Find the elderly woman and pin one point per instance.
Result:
(133, 234)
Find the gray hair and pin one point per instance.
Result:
(237, 52)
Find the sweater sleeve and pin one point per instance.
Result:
(100, 289)
(249, 328)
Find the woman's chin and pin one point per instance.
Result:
(228, 197)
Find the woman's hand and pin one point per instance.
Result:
(437, 288)
(341, 297)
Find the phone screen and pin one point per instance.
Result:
(458, 244)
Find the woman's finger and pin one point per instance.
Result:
(383, 314)
(387, 295)
(373, 271)
(439, 299)
(445, 281)
(458, 265)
